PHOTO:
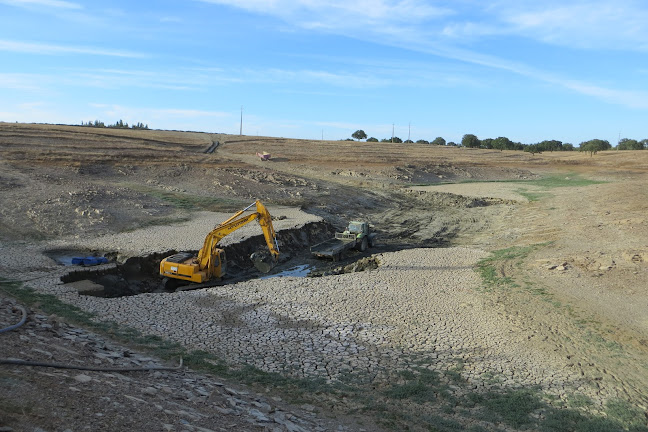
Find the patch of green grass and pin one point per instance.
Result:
(531, 195)
(514, 407)
(161, 221)
(626, 413)
(187, 201)
(549, 182)
(454, 373)
(421, 386)
(488, 271)
(596, 338)
(566, 420)
(556, 181)
(578, 401)
(436, 423)
(490, 378)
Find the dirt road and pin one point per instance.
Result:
(534, 294)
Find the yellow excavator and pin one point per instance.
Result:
(210, 263)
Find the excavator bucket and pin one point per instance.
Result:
(264, 262)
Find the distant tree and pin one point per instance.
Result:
(644, 143)
(346, 139)
(567, 147)
(533, 148)
(408, 141)
(470, 140)
(422, 141)
(139, 126)
(119, 125)
(487, 143)
(439, 141)
(372, 139)
(397, 140)
(550, 145)
(629, 144)
(386, 140)
(503, 143)
(359, 134)
(452, 144)
(594, 146)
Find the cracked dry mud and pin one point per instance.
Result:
(566, 321)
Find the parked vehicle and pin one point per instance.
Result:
(358, 235)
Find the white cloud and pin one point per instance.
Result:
(342, 14)
(51, 49)
(632, 99)
(610, 24)
(59, 4)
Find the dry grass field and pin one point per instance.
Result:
(564, 236)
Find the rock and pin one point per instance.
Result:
(149, 391)
(82, 378)
(225, 411)
(263, 407)
(259, 416)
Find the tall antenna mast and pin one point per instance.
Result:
(392, 133)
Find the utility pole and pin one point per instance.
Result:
(409, 131)
(392, 133)
(241, 129)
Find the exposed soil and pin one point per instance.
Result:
(584, 273)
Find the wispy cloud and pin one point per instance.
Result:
(341, 14)
(609, 24)
(132, 112)
(448, 33)
(51, 49)
(43, 3)
(120, 78)
(21, 81)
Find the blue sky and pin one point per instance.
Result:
(527, 70)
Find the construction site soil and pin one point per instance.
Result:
(506, 291)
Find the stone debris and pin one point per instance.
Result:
(186, 400)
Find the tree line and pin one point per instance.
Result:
(118, 125)
(592, 146)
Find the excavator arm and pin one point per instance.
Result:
(208, 263)
(232, 224)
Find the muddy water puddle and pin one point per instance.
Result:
(298, 271)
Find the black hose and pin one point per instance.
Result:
(18, 362)
(22, 320)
